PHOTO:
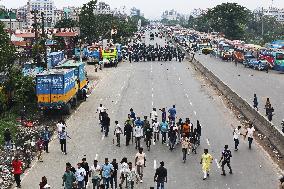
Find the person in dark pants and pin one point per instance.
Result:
(236, 135)
(62, 137)
(85, 165)
(113, 179)
(198, 131)
(127, 133)
(161, 176)
(226, 159)
(8, 139)
(46, 138)
(270, 113)
(17, 170)
(106, 123)
(255, 102)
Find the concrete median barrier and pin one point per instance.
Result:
(265, 127)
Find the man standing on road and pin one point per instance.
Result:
(249, 134)
(161, 176)
(156, 130)
(117, 133)
(236, 135)
(255, 102)
(62, 137)
(127, 132)
(172, 111)
(184, 146)
(140, 163)
(101, 109)
(106, 123)
(95, 173)
(80, 176)
(17, 170)
(164, 115)
(85, 166)
(172, 138)
(138, 133)
(148, 136)
(131, 175)
(113, 180)
(206, 161)
(153, 115)
(107, 171)
(226, 159)
(68, 178)
(46, 138)
(164, 129)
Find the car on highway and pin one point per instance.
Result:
(261, 65)
(247, 59)
(207, 51)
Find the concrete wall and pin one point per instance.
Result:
(260, 122)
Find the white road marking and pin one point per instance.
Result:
(155, 164)
(186, 95)
(152, 89)
(207, 140)
(217, 163)
(112, 111)
(152, 103)
(103, 137)
(122, 87)
(194, 112)
(152, 95)
(179, 78)
(115, 102)
(190, 103)
(96, 157)
(101, 99)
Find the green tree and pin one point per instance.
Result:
(66, 23)
(229, 18)
(7, 51)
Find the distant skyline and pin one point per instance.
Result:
(153, 9)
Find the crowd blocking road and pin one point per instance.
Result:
(142, 86)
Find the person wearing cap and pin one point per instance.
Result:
(226, 159)
(80, 176)
(206, 161)
(161, 176)
(95, 174)
(68, 177)
(17, 170)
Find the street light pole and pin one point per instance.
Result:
(44, 39)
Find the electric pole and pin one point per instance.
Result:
(43, 39)
(36, 45)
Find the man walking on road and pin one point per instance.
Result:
(249, 134)
(164, 129)
(206, 161)
(184, 146)
(236, 135)
(107, 171)
(127, 132)
(17, 170)
(95, 173)
(85, 166)
(161, 176)
(68, 178)
(62, 137)
(138, 133)
(140, 163)
(131, 175)
(156, 130)
(172, 111)
(46, 138)
(80, 176)
(226, 159)
(117, 133)
(255, 102)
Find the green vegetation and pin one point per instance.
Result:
(66, 23)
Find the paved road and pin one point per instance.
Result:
(157, 84)
(246, 82)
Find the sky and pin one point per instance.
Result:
(153, 9)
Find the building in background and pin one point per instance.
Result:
(277, 13)
(135, 12)
(45, 6)
(170, 15)
(198, 12)
(9, 18)
(103, 8)
(72, 13)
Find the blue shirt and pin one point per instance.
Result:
(106, 170)
(132, 115)
(139, 123)
(164, 126)
(172, 112)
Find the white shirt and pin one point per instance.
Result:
(156, 127)
(95, 171)
(124, 167)
(131, 174)
(154, 115)
(140, 158)
(101, 109)
(250, 132)
(117, 129)
(80, 173)
(138, 131)
(237, 133)
(59, 127)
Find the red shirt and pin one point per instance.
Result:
(17, 166)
